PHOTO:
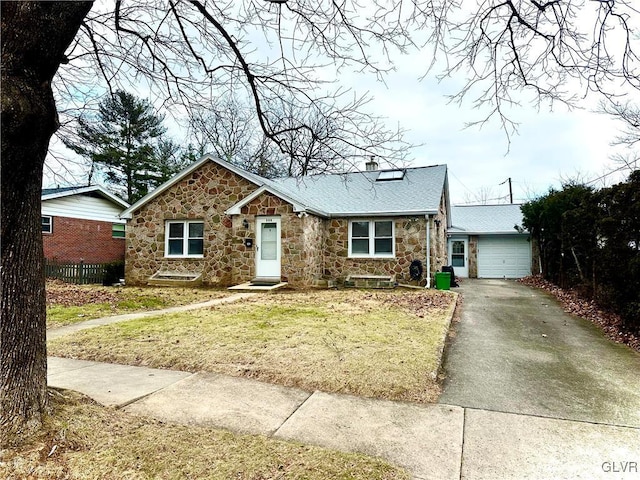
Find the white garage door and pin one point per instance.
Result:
(502, 256)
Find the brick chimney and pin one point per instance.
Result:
(371, 165)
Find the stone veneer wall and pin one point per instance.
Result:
(410, 235)
(203, 195)
(438, 228)
(473, 256)
(314, 236)
(301, 241)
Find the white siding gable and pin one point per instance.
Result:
(83, 207)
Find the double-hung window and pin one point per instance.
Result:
(184, 238)
(371, 238)
(47, 224)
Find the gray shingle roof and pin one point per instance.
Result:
(485, 218)
(51, 191)
(91, 190)
(359, 193)
(349, 194)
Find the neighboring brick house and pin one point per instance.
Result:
(82, 224)
(222, 225)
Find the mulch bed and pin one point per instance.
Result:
(572, 303)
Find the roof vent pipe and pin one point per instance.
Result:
(371, 165)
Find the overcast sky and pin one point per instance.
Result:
(550, 146)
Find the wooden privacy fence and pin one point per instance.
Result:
(78, 273)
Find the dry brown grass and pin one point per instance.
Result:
(383, 344)
(85, 441)
(67, 303)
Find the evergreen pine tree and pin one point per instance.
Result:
(124, 141)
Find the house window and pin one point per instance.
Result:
(388, 175)
(369, 238)
(117, 230)
(47, 224)
(184, 239)
(457, 253)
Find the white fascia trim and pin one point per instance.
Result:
(457, 233)
(400, 213)
(93, 188)
(70, 192)
(128, 213)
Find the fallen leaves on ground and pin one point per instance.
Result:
(572, 303)
(84, 441)
(69, 295)
(419, 304)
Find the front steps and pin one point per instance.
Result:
(258, 286)
(175, 279)
(370, 281)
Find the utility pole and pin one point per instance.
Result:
(510, 189)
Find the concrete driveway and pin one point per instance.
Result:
(516, 351)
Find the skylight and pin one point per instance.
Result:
(388, 175)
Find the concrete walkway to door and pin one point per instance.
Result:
(516, 351)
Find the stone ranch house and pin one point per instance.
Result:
(220, 225)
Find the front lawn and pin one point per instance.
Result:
(67, 303)
(82, 440)
(383, 344)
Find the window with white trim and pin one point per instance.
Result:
(184, 238)
(371, 238)
(47, 224)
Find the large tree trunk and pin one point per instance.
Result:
(35, 36)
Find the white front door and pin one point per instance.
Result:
(268, 247)
(459, 256)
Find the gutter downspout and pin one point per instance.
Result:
(428, 218)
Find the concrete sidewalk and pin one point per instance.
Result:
(439, 442)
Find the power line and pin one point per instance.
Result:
(480, 202)
(465, 187)
(510, 189)
(607, 174)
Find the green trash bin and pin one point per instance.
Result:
(443, 280)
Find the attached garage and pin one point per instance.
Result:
(488, 241)
(504, 256)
